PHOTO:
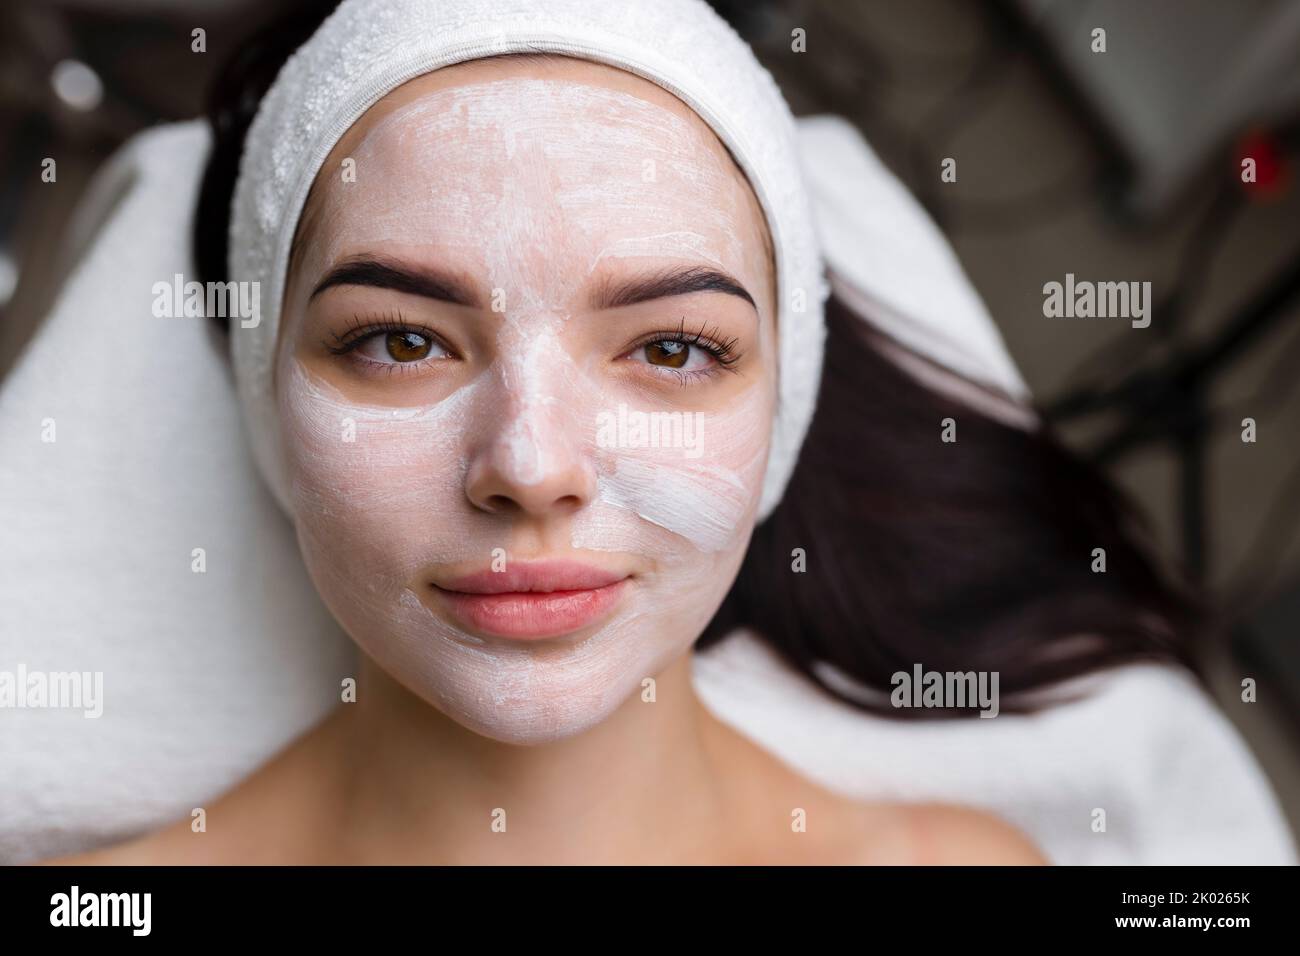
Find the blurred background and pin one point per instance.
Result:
(1122, 165)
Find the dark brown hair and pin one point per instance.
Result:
(973, 555)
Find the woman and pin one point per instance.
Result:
(527, 395)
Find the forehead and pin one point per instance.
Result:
(493, 160)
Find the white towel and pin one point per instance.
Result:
(1176, 783)
(206, 675)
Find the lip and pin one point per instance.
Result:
(532, 600)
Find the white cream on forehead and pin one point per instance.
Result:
(504, 180)
(493, 173)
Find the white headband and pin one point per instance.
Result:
(367, 48)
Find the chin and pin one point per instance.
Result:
(526, 699)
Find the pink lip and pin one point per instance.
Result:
(532, 601)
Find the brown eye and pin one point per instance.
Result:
(667, 353)
(407, 346)
(391, 345)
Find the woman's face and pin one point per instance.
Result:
(525, 396)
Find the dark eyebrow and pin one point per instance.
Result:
(383, 273)
(380, 273)
(612, 293)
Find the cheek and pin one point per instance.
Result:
(694, 474)
(372, 486)
(689, 509)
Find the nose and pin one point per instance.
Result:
(533, 466)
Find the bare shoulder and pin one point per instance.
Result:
(944, 834)
(821, 826)
(275, 815)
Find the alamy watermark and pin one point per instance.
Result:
(626, 428)
(957, 689)
(1098, 300)
(129, 910)
(181, 299)
(53, 690)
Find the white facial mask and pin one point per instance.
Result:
(530, 186)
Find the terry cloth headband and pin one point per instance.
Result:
(367, 48)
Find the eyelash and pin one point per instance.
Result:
(362, 329)
(723, 350)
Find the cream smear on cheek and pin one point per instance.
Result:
(532, 184)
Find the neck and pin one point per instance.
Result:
(643, 785)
